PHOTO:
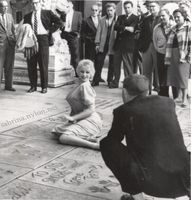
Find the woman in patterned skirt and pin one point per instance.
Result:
(178, 55)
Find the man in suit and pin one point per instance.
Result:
(125, 43)
(72, 22)
(105, 38)
(146, 45)
(88, 33)
(7, 45)
(153, 159)
(43, 23)
(142, 13)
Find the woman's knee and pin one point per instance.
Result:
(64, 138)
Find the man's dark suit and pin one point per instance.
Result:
(154, 160)
(51, 23)
(149, 60)
(124, 46)
(72, 37)
(7, 50)
(146, 34)
(88, 36)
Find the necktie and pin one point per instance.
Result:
(3, 20)
(35, 23)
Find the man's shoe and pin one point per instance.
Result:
(44, 90)
(32, 89)
(10, 89)
(101, 80)
(113, 85)
(94, 83)
(127, 197)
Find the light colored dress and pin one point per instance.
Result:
(178, 73)
(81, 98)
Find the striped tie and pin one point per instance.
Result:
(35, 23)
(3, 20)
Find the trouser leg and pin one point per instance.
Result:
(148, 66)
(110, 73)
(175, 92)
(9, 64)
(155, 77)
(127, 63)
(121, 163)
(74, 51)
(117, 66)
(43, 59)
(32, 70)
(135, 61)
(99, 62)
(162, 74)
(90, 51)
(2, 61)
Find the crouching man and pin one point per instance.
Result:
(154, 159)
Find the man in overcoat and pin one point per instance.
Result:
(88, 32)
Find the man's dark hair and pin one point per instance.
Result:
(178, 11)
(152, 1)
(109, 5)
(136, 84)
(128, 2)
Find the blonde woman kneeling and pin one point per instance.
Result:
(84, 123)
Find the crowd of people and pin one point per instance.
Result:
(145, 43)
(155, 47)
(155, 42)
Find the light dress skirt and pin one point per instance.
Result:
(178, 73)
(88, 128)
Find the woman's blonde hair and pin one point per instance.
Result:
(86, 63)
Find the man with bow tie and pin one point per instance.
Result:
(7, 45)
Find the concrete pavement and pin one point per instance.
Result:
(33, 165)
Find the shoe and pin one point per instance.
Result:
(32, 89)
(10, 89)
(113, 85)
(44, 90)
(101, 80)
(156, 89)
(127, 197)
(95, 83)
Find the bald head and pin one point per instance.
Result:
(3, 6)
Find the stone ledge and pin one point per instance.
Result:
(55, 78)
(60, 72)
